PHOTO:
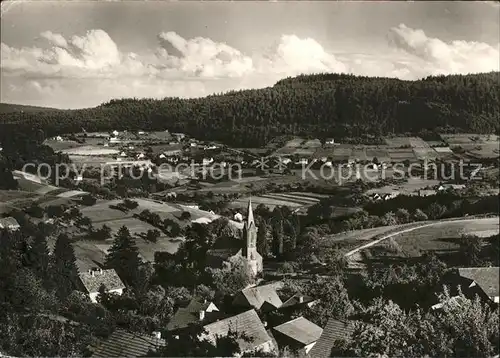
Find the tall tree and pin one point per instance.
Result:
(123, 256)
(40, 258)
(65, 271)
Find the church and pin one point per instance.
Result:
(247, 251)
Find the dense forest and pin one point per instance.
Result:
(322, 105)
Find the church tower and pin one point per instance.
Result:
(250, 241)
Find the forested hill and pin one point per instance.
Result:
(317, 105)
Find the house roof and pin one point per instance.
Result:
(8, 222)
(485, 277)
(256, 296)
(295, 300)
(108, 278)
(247, 325)
(301, 330)
(122, 343)
(334, 330)
(185, 316)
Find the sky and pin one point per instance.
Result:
(77, 54)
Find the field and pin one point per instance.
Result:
(134, 225)
(293, 200)
(440, 238)
(411, 187)
(477, 145)
(91, 150)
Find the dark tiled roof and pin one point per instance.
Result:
(300, 330)
(185, 316)
(256, 296)
(334, 330)
(127, 344)
(486, 277)
(108, 278)
(246, 324)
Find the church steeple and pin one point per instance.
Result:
(250, 220)
(250, 234)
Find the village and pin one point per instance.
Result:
(270, 308)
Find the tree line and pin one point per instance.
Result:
(321, 105)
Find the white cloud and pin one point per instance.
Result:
(88, 69)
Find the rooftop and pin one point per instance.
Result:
(333, 331)
(257, 295)
(301, 330)
(122, 343)
(185, 316)
(486, 277)
(93, 280)
(247, 325)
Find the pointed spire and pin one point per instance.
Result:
(250, 213)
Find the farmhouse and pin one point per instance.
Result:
(122, 343)
(248, 326)
(248, 253)
(298, 300)
(299, 334)
(93, 279)
(9, 223)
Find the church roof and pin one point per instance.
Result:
(250, 219)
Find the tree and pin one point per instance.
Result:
(130, 204)
(65, 271)
(403, 215)
(419, 215)
(39, 258)
(435, 211)
(262, 241)
(333, 300)
(88, 200)
(103, 233)
(85, 221)
(232, 278)
(153, 235)
(470, 251)
(389, 219)
(186, 215)
(123, 256)
(189, 344)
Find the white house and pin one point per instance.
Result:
(330, 141)
(140, 156)
(95, 277)
(59, 138)
(123, 154)
(115, 133)
(238, 217)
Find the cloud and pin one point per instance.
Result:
(442, 57)
(85, 70)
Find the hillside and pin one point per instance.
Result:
(6, 108)
(314, 105)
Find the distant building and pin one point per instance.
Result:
(299, 334)
(298, 300)
(9, 223)
(246, 325)
(115, 133)
(481, 280)
(94, 278)
(427, 192)
(249, 253)
(330, 141)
